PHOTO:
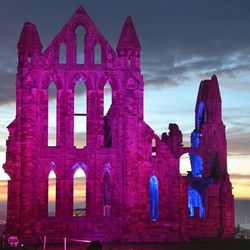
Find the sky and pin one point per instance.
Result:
(183, 42)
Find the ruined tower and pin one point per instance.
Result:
(134, 190)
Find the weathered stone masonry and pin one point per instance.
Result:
(134, 191)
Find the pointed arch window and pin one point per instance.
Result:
(107, 98)
(80, 33)
(153, 195)
(80, 114)
(153, 143)
(52, 113)
(62, 53)
(196, 200)
(52, 193)
(106, 194)
(98, 54)
(107, 101)
(79, 193)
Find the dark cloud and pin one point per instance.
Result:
(7, 75)
(239, 143)
(178, 72)
(7, 88)
(171, 32)
(179, 39)
(238, 133)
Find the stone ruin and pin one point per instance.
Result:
(134, 189)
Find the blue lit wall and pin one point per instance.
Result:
(195, 160)
(196, 164)
(200, 116)
(153, 193)
(195, 139)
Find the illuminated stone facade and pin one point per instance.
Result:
(134, 190)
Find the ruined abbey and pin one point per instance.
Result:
(134, 188)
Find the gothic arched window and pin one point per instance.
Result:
(153, 143)
(80, 115)
(196, 200)
(107, 98)
(52, 193)
(153, 195)
(79, 193)
(52, 108)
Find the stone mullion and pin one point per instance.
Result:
(99, 118)
(68, 128)
(59, 114)
(90, 119)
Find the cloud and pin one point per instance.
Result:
(7, 75)
(177, 38)
(240, 177)
(8, 92)
(2, 148)
(241, 184)
(169, 31)
(239, 140)
(183, 70)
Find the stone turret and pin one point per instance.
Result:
(29, 45)
(209, 128)
(129, 46)
(208, 105)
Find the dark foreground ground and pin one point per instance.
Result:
(194, 245)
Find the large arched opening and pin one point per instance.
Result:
(191, 164)
(80, 114)
(79, 193)
(52, 108)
